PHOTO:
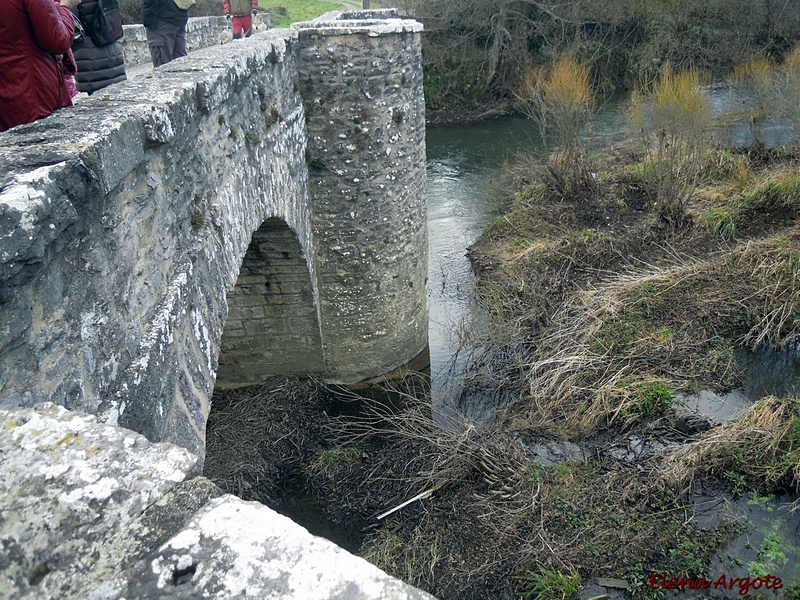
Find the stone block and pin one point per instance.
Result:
(99, 512)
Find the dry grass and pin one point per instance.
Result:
(611, 354)
(763, 445)
(497, 522)
(255, 435)
(444, 451)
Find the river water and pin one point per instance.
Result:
(463, 169)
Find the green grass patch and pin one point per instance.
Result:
(285, 12)
(552, 584)
(720, 222)
(781, 192)
(332, 459)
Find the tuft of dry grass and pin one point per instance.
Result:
(763, 445)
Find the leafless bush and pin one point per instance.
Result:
(672, 116)
(560, 100)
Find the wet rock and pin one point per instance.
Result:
(555, 452)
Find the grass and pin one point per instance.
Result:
(285, 12)
(588, 311)
(333, 458)
(759, 451)
(499, 520)
(720, 221)
(551, 584)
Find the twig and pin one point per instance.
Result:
(419, 496)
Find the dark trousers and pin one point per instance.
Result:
(166, 42)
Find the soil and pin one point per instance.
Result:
(606, 315)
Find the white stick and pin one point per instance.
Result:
(419, 496)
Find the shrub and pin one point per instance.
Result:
(560, 100)
(671, 116)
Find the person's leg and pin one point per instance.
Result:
(238, 27)
(247, 25)
(157, 44)
(179, 49)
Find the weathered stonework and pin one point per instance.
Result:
(117, 254)
(273, 293)
(90, 511)
(361, 81)
(124, 222)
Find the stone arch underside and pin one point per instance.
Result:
(272, 326)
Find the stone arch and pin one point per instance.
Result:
(273, 325)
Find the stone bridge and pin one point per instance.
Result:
(255, 209)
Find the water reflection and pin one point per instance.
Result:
(768, 541)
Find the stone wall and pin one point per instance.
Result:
(123, 224)
(125, 220)
(94, 511)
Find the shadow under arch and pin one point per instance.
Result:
(273, 325)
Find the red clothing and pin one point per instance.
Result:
(239, 5)
(243, 25)
(33, 36)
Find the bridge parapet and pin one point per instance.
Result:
(201, 32)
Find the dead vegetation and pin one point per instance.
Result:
(255, 436)
(760, 450)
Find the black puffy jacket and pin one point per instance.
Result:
(97, 66)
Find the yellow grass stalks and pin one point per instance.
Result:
(763, 444)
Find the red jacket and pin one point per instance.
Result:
(33, 36)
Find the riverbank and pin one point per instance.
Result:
(604, 319)
(607, 319)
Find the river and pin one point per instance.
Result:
(463, 166)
